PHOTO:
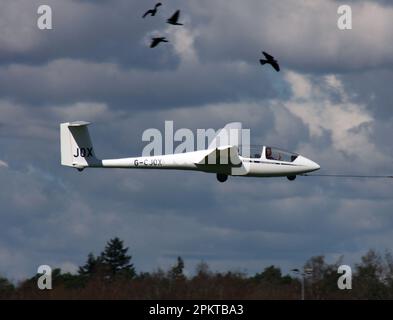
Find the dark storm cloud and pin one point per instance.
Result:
(68, 81)
(231, 30)
(104, 31)
(370, 87)
(225, 30)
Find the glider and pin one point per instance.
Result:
(219, 158)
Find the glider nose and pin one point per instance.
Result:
(309, 164)
(315, 166)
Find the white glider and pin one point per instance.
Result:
(221, 157)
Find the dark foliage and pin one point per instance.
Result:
(112, 276)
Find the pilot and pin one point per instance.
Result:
(269, 153)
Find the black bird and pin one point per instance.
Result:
(173, 20)
(152, 12)
(270, 60)
(156, 41)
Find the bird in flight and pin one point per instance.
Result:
(174, 19)
(156, 41)
(152, 12)
(270, 60)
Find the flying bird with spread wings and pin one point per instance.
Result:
(174, 19)
(270, 60)
(156, 41)
(152, 12)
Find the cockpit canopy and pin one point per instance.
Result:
(270, 153)
(280, 155)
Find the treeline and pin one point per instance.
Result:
(111, 275)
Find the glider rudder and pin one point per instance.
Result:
(76, 146)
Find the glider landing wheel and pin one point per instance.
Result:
(222, 177)
(80, 169)
(291, 178)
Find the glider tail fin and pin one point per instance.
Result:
(76, 147)
(263, 61)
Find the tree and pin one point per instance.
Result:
(6, 287)
(202, 270)
(116, 258)
(369, 277)
(273, 276)
(323, 278)
(389, 273)
(176, 271)
(91, 266)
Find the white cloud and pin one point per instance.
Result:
(18, 27)
(83, 110)
(348, 123)
(184, 45)
(301, 85)
(3, 164)
(68, 266)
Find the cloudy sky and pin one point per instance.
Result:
(331, 102)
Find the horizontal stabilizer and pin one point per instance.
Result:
(78, 124)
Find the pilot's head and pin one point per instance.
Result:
(268, 152)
